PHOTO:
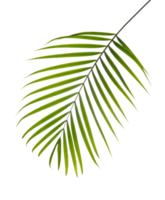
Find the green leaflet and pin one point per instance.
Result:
(78, 149)
(65, 153)
(59, 153)
(74, 46)
(65, 55)
(52, 155)
(84, 35)
(97, 33)
(74, 162)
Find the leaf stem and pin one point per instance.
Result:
(132, 17)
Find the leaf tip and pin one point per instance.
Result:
(23, 60)
(19, 90)
(18, 103)
(31, 51)
(101, 169)
(39, 157)
(152, 87)
(26, 145)
(51, 169)
(21, 79)
(129, 124)
(136, 100)
(15, 127)
(102, 162)
(151, 76)
(42, 45)
(151, 97)
(32, 152)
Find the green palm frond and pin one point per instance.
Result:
(64, 133)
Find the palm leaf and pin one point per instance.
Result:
(66, 122)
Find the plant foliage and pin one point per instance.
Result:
(64, 133)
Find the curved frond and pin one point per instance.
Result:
(63, 128)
